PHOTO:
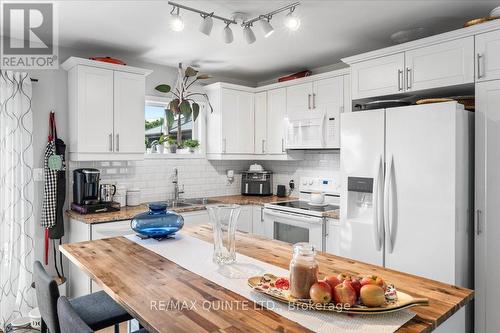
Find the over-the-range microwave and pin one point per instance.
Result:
(311, 132)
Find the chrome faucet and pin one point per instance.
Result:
(177, 190)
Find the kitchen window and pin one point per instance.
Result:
(156, 125)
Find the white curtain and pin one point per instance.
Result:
(16, 197)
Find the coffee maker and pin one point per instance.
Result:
(86, 193)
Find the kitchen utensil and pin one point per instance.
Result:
(495, 12)
(281, 191)
(256, 168)
(224, 219)
(107, 191)
(158, 223)
(108, 60)
(317, 198)
(133, 197)
(403, 301)
(479, 20)
(384, 104)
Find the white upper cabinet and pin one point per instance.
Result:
(276, 125)
(299, 100)
(329, 98)
(377, 77)
(261, 143)
(106, 110)
(440, 65)
(488, 56)
(129, 92)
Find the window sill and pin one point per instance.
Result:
(170, 156)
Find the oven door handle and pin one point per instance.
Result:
(292, 216)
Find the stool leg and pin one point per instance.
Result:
(43, 327)
(117, 328)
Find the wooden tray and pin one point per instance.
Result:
(403, 301)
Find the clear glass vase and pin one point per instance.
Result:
(224, 219)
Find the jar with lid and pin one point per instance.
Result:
(303, 270)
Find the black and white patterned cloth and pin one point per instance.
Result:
(50, 189)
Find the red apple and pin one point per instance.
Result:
(343, 276)
(356, 284)
(373, 279)
(372, 295)
(333, 281)
(344, 293)
(321, 292)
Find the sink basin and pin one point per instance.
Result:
(199, 201)
(178, 204)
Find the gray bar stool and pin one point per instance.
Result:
(97, 310)
(71, 322)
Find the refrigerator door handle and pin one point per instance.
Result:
(378, 205)
(387, 204)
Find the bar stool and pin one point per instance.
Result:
(71, 322)
(97, 310)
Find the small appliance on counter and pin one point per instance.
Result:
(86, 198)
(256, 181)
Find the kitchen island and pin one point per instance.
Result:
(134, 275)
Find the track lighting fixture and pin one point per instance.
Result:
(291, 21)
(206, 24)
(176, 22)
(248, 33)
(227, 34)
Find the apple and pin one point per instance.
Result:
(343, 276)
(356, 284)
(344, 293)
(372, 295)
(333, 281)
(373, 279)
(321, 292)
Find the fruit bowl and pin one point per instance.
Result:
(266, 284)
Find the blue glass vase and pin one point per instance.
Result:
(158, 222)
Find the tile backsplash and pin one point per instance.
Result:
(204, 178)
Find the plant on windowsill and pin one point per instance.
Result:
(172, 144)
(183, 102)
(161, 144)
(192, 145)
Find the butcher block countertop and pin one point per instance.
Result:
(127, 213)
(133, 276)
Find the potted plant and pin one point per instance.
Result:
(192, 145)
(172, 144)
(183, 102)
(161, 144)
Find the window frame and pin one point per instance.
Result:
(198, 131)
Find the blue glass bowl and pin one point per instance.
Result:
(158, 222)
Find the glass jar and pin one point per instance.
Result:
(158, 222)
(303, 270)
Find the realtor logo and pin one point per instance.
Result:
(28, 36)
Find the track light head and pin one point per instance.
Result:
(176, 22)
(249, 35)
(292, 21)
(207, 24)
(227, 34)
(266, 26)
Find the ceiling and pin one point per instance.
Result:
(330, 30)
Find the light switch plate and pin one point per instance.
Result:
(38, 175)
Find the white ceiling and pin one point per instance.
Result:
(330, 30)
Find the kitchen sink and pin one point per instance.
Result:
(177, 204)
(199, 201)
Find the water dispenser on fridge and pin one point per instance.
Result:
(359, 198)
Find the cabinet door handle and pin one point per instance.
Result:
(314, 101)
(224, 145)
(263, 146)
(479, 58)
(309, 101)
(282, 145)
(118, 142)
(111, 142)
(400, 75)
(408, 78)
(261, 214)
(478, 222)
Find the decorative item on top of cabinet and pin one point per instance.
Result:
(96, 91)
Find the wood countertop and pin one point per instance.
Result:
(134, 275)
(127, 213)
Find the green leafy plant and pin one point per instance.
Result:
(191, 144)
(183, 102)
(171, 140)
(162, 139)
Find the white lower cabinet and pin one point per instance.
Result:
(258, 220)
(332, 239)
